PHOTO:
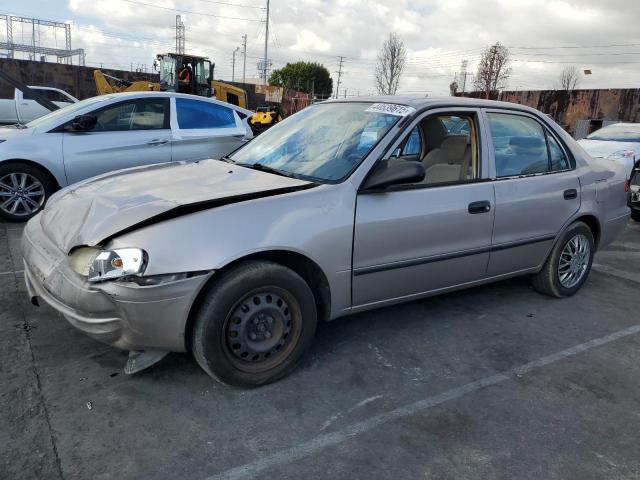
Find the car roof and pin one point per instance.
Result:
(431, 102)
(124, 95)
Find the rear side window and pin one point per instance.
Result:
(195, 114)
(523, 147)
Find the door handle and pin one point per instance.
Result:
(482, 206)
(570, 194)
(158, 142)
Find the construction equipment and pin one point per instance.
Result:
(264, 118)
(106, 84)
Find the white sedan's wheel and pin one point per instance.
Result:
(24, 189)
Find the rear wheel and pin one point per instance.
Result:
(635, 215)
(24, 189)
(568, 266)
(254, 324)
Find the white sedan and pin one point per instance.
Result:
(111, 132)
(619, 142)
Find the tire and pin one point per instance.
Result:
(229, 338)
(24, 191)
(548, 280)
(635, 215)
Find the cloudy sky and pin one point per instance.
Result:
(543, 36)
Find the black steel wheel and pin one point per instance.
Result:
(253, 324)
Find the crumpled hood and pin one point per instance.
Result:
(604, 148)
(89, 212)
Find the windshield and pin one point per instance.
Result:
(63, 112)
(617, 133)
(323, 142)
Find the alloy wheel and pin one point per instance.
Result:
(574, 261)
(21, 194)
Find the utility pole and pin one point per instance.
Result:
(341, 59)
(244, 57)
(266, 43)
(233, 65)
(464, 74)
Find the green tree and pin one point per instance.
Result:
(305, 77)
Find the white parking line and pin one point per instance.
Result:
(329, 439)
(11, 272)
(616, 272)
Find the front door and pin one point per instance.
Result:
(432, 235)
(537, 191)
(127, 134)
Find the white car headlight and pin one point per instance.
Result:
(100, 265)
(621, 154)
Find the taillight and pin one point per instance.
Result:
(626, 186)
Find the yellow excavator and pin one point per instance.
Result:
(198, 81)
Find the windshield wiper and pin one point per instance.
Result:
(265, 168)
(19, 126)
(226, 158)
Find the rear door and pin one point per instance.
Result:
(536, 187)
(203, 129)
(431, 235)
(127, 134)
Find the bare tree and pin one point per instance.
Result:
(493, 69)
(453, 88)
(569, 78)
(391, 62)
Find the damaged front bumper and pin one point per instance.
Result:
(123, 314)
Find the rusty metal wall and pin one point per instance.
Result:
(78, 81)
(569, 107)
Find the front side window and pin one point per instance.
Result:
(523, 147)
(194, 114)
(449, 155)
(323, 142)
(148, 114)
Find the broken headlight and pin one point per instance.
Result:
(100, 265)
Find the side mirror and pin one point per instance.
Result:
(395, 173)
(84, 123)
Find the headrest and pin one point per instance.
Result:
(454, 148)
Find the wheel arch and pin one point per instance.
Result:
(308, 269)
(594, 225)
(37, 165)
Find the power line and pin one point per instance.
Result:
(243, 5)
(135, 2)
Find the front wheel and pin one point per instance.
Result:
(253, 324)
(569, 263)
(24, 189)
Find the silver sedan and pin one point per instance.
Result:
(344, 207)
(110, 132)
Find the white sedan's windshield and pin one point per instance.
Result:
(66, 111)
(323, 142)
(617, 133)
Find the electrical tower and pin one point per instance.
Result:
(244, 57)
(265, 63)
(180, 35)
(341, 59)
(35, 47)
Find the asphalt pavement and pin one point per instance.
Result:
(493, 382)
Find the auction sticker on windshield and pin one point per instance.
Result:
(391, 109)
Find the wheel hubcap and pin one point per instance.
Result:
(258, 327)
(21, 194)
(574, 261)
